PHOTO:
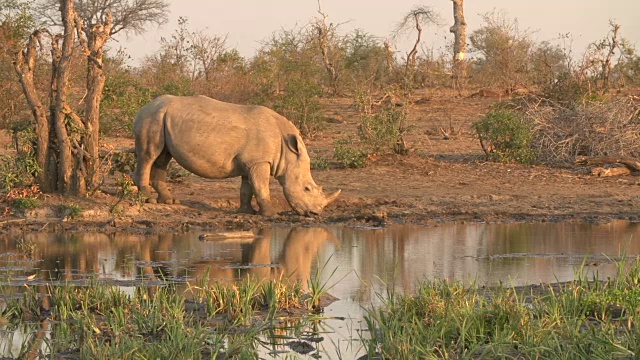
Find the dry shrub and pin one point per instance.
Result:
(604, 128)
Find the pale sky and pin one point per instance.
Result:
(248, 22)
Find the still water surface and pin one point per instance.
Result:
(359, 263)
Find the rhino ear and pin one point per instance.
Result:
(294, 143)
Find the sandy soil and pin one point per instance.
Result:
(439, 180)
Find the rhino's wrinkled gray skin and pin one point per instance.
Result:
(216, 140)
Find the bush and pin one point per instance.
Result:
(300, 103)
(20, 170)
(504, 52)
(26, 203)
(71, 210)
(320, 163)
(349, 155)
(288, 79)
(383, 129)
(506, 136)
(566, 89)
(121, 161)
(122, 98)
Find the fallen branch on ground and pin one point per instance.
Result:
(629, 162)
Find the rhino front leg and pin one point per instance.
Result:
(159, 179)
(259, 176)
(246, 194)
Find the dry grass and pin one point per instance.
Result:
(603, 128)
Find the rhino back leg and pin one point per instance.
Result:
(246, 195)
(259, 176)
(149, 145)
(159, 178)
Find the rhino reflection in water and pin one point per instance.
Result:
(217, 140)
(299, 252)
(294, 262)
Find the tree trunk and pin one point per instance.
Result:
(94, 42)
(459, 29)
(324, 41)
(605, 73)
(61, 64)
(67, 146)
(390, 58)
(24, 65)
(412, 56)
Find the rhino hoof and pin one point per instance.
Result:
(267, 212)
(248, 210)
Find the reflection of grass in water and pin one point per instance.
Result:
(582, 319)
(318, 288)
(99, 321)
(26, 247)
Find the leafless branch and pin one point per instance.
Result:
(128, 15)
(418, 16)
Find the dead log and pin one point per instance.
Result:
(235, 236)
(631, 163)
(612, 171)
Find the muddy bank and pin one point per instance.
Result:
(440, 180)
(399, 189)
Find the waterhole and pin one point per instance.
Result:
(356, 265)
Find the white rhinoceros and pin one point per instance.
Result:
(217, 140)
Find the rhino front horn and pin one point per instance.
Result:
(332, 197)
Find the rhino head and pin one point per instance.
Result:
(303, 194)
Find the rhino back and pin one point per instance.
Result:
(215, 139)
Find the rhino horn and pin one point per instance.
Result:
(332, 197)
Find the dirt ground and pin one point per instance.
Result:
(440, 180)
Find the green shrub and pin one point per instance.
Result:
(288, 78)
(300, 103)
(348, 155)
(26, 203)
(69, 210)
(20, 169)
(566, 89)
(320, 163)
(381, 130)
(122, 98)
(506, 136)
(127, 190)
(122, 161)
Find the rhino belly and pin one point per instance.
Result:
(217, 144)
(208, 161)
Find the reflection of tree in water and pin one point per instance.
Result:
(78, 256)
(398, 255)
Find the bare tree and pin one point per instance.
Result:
(127, 15)
(504, 51)
(193, 54)
(609, 45)
(459, 30)
(67, 148)
(326, 33)
(416, 18)
(93, 38)
(389, 55)
(25, 65)
(205, 51)
(51, 130)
